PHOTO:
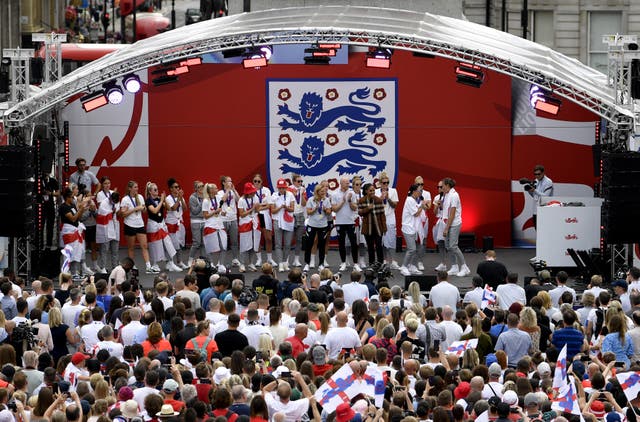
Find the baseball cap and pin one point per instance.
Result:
(490, 358)
(282, 183)
(613, 417)
(510, 397)
(344, 412)
(462, 390)
(319, 355)
(620, 283)
(125, 393)
(170, 386)
(597, 408)
(221, 374)
(495, 369)
(544, 368)
(79, 357)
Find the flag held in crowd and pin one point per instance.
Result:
(66, 263)
(567, 400)
(458, 347)
(630, 383)
(488, 297)
(344, 385)
(560, 375)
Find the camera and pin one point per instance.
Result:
(12, 406)
(528, 184)
(24, 332)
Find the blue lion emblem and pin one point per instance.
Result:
(313, 119)
(313, 162)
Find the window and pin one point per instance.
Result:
(601, 23)
(541, 26)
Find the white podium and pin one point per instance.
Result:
(562, 228)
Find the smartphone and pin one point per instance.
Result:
(55, 388)
(488, 312)
(436, 345)
(388, 374)
(619, 364)
(285, 374)
(259, 355)
(585, 358)
(106, 378)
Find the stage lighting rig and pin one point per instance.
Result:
(379, 58)
(257, 57)
(93, 101)
(131, 83)
(469, 74)
(113, 92)
(542, 100)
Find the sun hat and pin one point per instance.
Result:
(166, 411)
(221, 374)
(129, 408)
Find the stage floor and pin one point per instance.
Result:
(515, 259)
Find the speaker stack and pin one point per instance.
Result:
(17, 197)
(620, 187)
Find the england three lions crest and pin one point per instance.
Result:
(328, 129)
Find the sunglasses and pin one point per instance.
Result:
(439, 186)
(200, 186)
(176, 186)
(385, 183)
(537, 174)
(420, 184)
(257, 181)
(299, 181)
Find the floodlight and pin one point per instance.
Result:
(469, 74)
(379, 58)
(542, 100)
(93, 101)
(131, 83)
(256, 58)
(113, 93)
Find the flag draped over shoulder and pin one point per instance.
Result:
(344, 385)
(66, 263)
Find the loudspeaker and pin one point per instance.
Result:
(49, 263)
(467, 242)
(487, 243)
(635, 78)
(37, 71)
(16, 191)
(426, 282)
(596, 151)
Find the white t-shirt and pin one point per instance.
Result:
(293, 409)
(345, 215)
(173, 216)
(114, 349)
(230, 205)
(557, 293)
(264, 197)
(278, 200)
(410, 221)
(135, 218)
(340, 338)
(510, 293)
(453, 331)
(354, 291)
(139, 394)
(71, 374)
(133, 333)
(474, 296)
(389, 212)
(444, 293)
(452, 199)
(70, 313)
(253, 333)
(318, 218)
(89, 334)
(214, 221)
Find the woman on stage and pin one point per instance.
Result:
(282, 207)
(319, 212)
(214, 235)
(131, 207)
(248, 226)
(108, 229)
(175, 206)
(160, 244)
(374, 222)
(263, 195)
(72, 232)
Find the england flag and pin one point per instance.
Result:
(458, 347)
(560, 375)
(345, 385)
(488, 297)
(630, 383)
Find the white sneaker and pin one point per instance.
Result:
(306, 268)
(420, 266)
(361, 263)
(86, 270)
(343, 267)
(155, 269)
(312, 264)
(183, 265)
(320, 267)
(404, 271)
(281, 267)
(357, 268)
(326, 263)
(286, 266)
(441, 267)
(272, 262)
(414, 270)
(454, 270)
(394, 265)
(172, 267)
(296, 262)
(259, 262)
(252, 267)
(242, 269)
(464, 271)
(235, 263)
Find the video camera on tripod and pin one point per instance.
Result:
(528, 184)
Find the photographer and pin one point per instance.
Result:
(537, 188)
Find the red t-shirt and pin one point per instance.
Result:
(203, 392)
(321, 369)
(223, 412)
(176, 404)
(297, 344)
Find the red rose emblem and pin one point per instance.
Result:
(284, 139)
(332, 139)
(379, 139)
(333, 184)
(284, 94)
(379, 94)
(332, 94)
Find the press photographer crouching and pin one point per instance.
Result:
(541, 186)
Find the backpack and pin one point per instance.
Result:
(247, 296)
(285, 289)
(202, 350)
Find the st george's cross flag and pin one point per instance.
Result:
(567, 400)
(458, 347)
(488, 297)
(630, 383)
(345, 385)
(560, 375)
(66, 263)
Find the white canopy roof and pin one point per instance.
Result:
(366, 26)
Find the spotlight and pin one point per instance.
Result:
(318, 55)
(256, 58)
(178, 70)
(194, 61)
(330, 46)
(379, 58)
(469, 74)
(162, 80)
(131, 83)
(542, 100)
(113, 93)
(93, 101)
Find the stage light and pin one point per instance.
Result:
(542, 100)
(93, 101)
(194, 61)
(321, 60)
(178, 71)
(166, 79)
(379, 58)
(65, 134)
(330, 46)
(469, 74)
(317, 55)
(113, 93)
(256, 58)
(131, 83)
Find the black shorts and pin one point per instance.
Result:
(90, 234)
(132, 231)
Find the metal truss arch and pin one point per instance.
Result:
(360, 26)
